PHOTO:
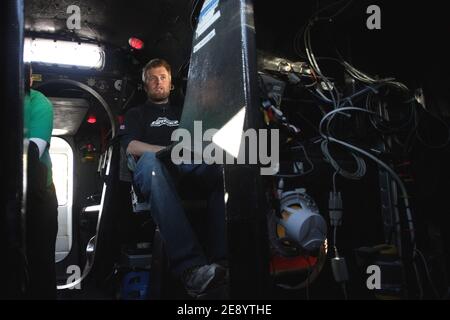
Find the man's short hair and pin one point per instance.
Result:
(155, 63)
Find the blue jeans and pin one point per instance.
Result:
(156, 183)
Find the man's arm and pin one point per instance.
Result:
(137, 148)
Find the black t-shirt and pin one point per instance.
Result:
(150, 123)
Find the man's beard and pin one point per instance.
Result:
(158, 97)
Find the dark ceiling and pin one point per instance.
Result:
(410, 45)
(164, 25)
(409, 37)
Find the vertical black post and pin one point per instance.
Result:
(222, 85)
(11, 109)
(246, 207)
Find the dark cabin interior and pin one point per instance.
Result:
(410, 47)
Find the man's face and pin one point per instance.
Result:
(158, 84)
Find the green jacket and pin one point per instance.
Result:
(38, 123)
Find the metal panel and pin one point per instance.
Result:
(11, 106)
(221, 83)
(68, 113)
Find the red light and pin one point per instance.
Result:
(91, 119)
(136, 43)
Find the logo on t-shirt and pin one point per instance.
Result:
(163, 121)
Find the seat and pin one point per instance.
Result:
(162, 284)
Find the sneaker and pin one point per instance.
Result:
(200, 279)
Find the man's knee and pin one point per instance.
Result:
(147, 163)
(150, 170)
(146, 160)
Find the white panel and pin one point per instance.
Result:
(62, 162)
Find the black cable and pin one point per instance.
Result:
(308, 122)
(380, 163)
(427, 271)
(191, 17)
(344, 290)
(384, 126)
(340, 11)
(130, 98)
(183, 65)
(336, 252)
(439, 146)
(315, 17)
(307, 278)
(361, 165)
(295, 164)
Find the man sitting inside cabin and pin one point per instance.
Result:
(148, 129)
(42, 205)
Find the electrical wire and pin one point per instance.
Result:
(345, 6)
(307, 121)
(422, 141)
(380, 163)
(315, 17)
(336, 252)
(314, 271)
(344, 290)
(397, 225)
(427, 271)
(363, 77)
(311, 164)
(313, 62)
(314, 65)
(334, 181)
(396, 213)
(130, 98)
(419, 281)
(360, 164)
(191, 17)
(340, 11)
(383, 125)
